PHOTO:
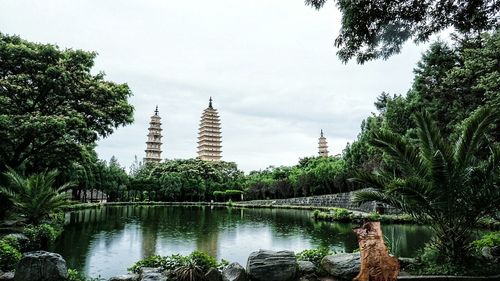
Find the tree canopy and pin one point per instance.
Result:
(378, 29)
(51, 105)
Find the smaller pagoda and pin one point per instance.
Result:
(153, 144)
(322, 146)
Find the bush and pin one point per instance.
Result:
(340, 214)
(488, 240)
(172, 262)
(9, 256)
(313, 255)
(202, 260)
(41, 236)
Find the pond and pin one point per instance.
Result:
(108, 240)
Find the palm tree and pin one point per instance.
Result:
(448, 186)
(35, 197)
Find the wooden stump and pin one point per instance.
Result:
(376, 264)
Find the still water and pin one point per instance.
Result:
(108, 240)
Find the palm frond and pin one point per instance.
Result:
(473, 135)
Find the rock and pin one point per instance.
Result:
(153, 276)
(41, 266)
(344, 266)
(213, 274)
(309, 277)
(21, 238)
(234, 272)
(265, 265)
(126, 277)
(6, 276)
(305, 267)
(486, 252)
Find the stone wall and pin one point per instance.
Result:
(339, 200)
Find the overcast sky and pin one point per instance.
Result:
(270, 66)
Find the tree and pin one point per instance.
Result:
(35, 197)
(445, 185)
(51, 105)
(378, 29)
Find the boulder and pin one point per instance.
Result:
(125, 277)
(265, 265)
(344, 266)
(6, 276)
(213, 274)
(234, 272)
(153, 276)
(145, 270)
(41, 266)
(305, 267)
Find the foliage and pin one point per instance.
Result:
(9, 256)
(314, 255)
(378, 30)
(190, 272)
(488, 240)
(173, 262)
(35, 197)
(41, 236)
(51, 105)
(447, 186)
(75, 275)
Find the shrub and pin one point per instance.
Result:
(488, 240)
(313, 255)
(340, 214)
(41, 236)
(202, 260)
(176, 261)
(9, 256)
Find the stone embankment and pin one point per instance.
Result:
(339, 200)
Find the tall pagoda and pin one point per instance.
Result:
(153, 144)
(323, 146)
(209, 135)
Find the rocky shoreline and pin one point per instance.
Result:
(262, 265)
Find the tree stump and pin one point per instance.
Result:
(376, 264)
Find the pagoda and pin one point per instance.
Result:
(323, 146)
(153, 144)
(209, 135)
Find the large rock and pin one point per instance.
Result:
(126, 277)
(41, 266)
(265, 265)
(305, 267)
(213, 274)
(234, 272)
(345, 266)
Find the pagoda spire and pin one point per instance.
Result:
(322, 145)
(209, 135)
(153, 143)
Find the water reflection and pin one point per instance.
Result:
(107, 240)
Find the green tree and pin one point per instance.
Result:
(51, 105)
(378, 29)
(442, 184)
(35, 197)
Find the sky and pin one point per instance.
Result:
(270, 66)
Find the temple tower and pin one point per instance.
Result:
(153, 144)
(323, 146)
(209, 136)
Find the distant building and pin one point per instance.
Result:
(209, 135)
(322, 146)
(153, 144)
